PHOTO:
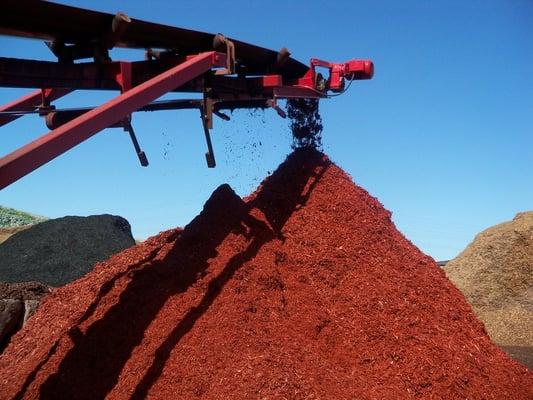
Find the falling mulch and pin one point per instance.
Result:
(305, 289)
(61, 250)
(495, 273)
(305, 123)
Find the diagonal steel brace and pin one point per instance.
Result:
(31, 102)
(54, 143)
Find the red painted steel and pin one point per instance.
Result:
(359, 69)
(44, 149)
(353, 69)
(112, 76)
(338, 72)
(288, 92)
(271, 80)
(124, 77)
(248, 76)
(30, 102)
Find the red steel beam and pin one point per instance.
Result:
(44, 149)
(35, 74)
(288, 92)
(30, 102)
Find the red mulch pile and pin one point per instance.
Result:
(303, 290)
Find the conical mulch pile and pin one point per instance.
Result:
(304, 290)
(495, 273)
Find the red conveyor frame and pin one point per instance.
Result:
(231, 75)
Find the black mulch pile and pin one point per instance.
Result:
(61, 250)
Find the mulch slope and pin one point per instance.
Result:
(303, 290)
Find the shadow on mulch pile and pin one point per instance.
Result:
(303, 289)
(522, 354)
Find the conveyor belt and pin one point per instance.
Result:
(50, 21)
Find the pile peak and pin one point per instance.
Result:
(304, 289)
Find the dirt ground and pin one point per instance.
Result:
(5, 233)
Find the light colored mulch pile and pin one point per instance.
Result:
(495, 273)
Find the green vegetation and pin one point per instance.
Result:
(10, 217)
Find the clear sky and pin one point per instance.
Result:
(442, 136)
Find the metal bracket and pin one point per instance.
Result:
(45, 107)
(140, 154)
(124, 76)
(221, 115)
(274, 104)
(29, 103)
(282, 57)
(219, 41)
(207, 122)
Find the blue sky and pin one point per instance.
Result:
(442, 136)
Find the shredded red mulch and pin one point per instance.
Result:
(303, 290)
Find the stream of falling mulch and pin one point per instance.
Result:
(303, 290)
(305, 123)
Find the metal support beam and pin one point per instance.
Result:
(23, 73)
(33, 155)
(289, 92)
(30, 102)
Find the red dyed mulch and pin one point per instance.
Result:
(303, 290)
